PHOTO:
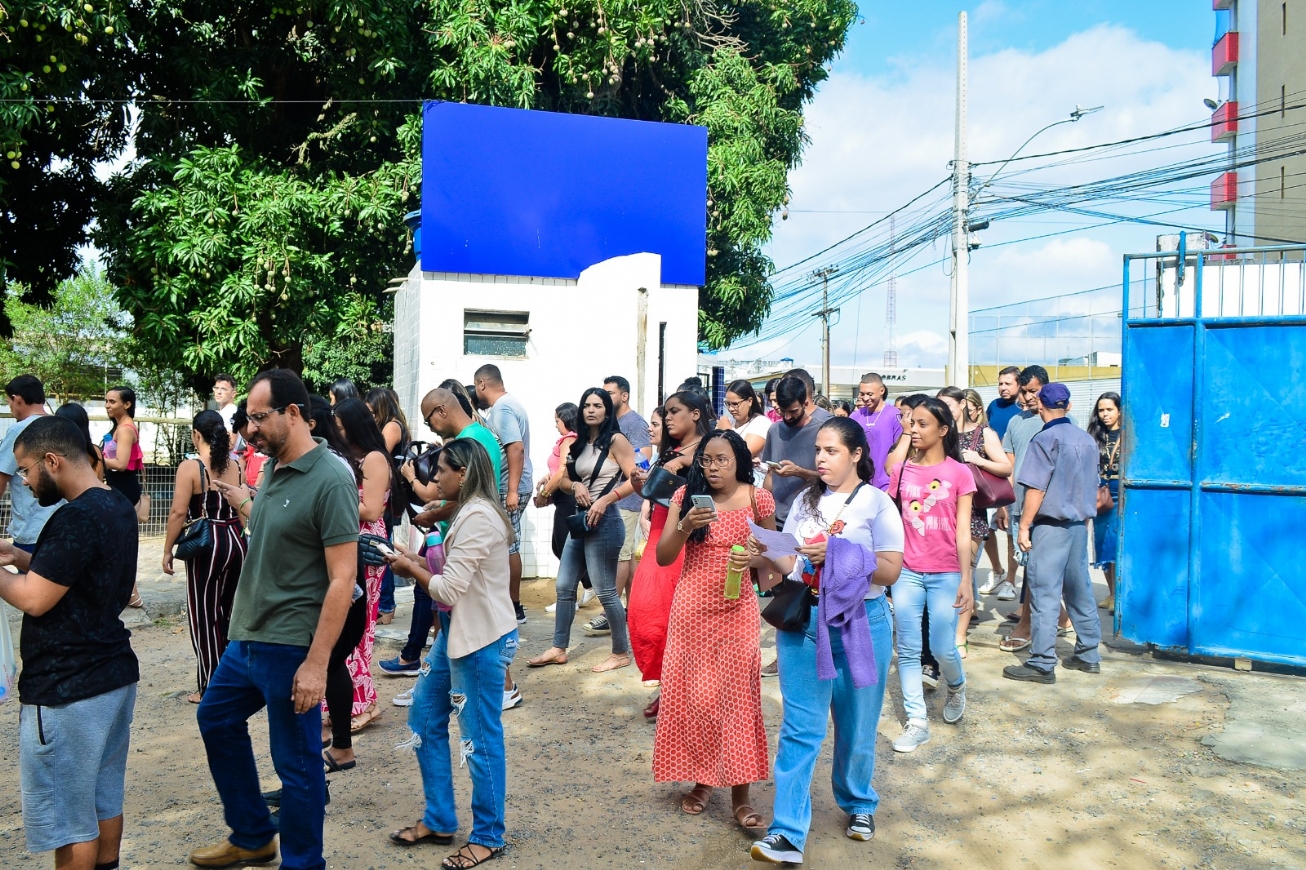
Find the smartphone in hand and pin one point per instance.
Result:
(703, 501)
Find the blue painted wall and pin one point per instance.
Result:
(520, 192)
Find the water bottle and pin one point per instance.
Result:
(734, 576)
(643, 464)
(435, 551)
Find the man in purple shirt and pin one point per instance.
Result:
(880, 420)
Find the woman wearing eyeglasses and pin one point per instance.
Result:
(710, 730)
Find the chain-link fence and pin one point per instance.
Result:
(165, 441)
(1074, 329)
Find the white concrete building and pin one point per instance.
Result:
(551, 338)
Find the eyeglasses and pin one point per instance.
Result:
(23, 472)
(427, 419)
(715, 462)
(733, 405)
(257, 419)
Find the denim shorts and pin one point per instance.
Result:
(73, 760)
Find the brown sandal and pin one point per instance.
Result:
(745, 813)
(465, 857)
(541, 662)
(695, 802)
(622, 661)
(368, 717)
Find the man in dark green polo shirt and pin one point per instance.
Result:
(295, 589)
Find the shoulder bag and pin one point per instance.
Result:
(196, 538)
(1105, 503)
(991, 491)
(790, 608)
(578, 523)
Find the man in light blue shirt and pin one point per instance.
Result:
(26, 517)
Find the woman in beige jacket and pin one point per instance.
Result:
(463, 674)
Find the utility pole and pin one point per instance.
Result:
(824, 314)
(959, 314)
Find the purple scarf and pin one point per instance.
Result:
(845, 580)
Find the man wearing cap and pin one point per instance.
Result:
(1060, 479)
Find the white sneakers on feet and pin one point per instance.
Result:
(1005, 591)
(995, 581)
(554, 606)
(586, 598)
(403, 699)
(917, 733)
(511, 697)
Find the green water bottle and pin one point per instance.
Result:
(733, 575)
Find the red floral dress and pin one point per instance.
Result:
(360, 660)
(710, 728)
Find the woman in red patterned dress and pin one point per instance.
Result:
(371, 461)
(710, 729)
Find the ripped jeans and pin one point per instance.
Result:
(471, 688)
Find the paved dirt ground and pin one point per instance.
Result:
(1096, 771)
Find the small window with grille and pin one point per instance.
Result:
(495, 333)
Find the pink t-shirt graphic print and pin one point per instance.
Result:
(929, 513)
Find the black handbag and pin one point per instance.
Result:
(578, 523)
(661, 485)
(790, 607)
(196, 538)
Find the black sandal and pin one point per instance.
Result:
(430, 837)
(465, 857)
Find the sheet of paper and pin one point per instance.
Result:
(776, 543)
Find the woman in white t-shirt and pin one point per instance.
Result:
(746, 415)
(842, 502)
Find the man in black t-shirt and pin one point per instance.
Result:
(78, 683)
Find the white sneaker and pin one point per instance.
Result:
(511, 698)
(917, 733)
(403, 699)
(1006, 591)
(954, 706)
(995, 581)
(586, 598)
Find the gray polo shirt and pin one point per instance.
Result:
(26, 516)
(1020, 431)
(635, 428)
(799, 447)
(1062, 462)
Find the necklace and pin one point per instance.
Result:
(878, 414)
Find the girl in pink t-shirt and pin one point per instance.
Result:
(933, 489)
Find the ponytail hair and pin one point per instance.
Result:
(213, 430)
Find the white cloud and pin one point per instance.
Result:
(878, 141)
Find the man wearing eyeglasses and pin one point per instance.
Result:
(78, 686)
(295, 589)
(26, 517)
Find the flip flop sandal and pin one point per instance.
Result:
(743, 813)
(698, 796)
(398, 837)
(1064, 632)
(334, 766)
(1012, 617)
(603, 667)
(465, 858)
(544, 663)
(1014, 644)
(963, 649)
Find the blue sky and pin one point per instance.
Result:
(881, 131)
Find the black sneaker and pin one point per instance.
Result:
(521, 612)
(597, 627)
(775, 849)
(1075, 663)
(1026, 674)
(930, 676)
(861, 826)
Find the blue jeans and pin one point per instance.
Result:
(420, 627)
(910, 595)
(250, 676)
(808, 703)
(471, 687)
(386, 604)
(597, 552)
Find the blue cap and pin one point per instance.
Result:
(1054, 396)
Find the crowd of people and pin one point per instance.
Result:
(856, 529)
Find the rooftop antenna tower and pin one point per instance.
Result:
(891, 302)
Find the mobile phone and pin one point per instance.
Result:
(703, 501)
(771, 463)
(385, 551)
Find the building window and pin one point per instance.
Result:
(495, 333)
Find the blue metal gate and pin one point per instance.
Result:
(1213, 484)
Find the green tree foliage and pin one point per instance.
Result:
(75, 344)
(54, 56)
(277, 148)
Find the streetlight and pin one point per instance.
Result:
(1074, 116)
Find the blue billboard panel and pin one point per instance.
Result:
(522, 192)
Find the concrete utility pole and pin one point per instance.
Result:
(824, 314)
(959, 314)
